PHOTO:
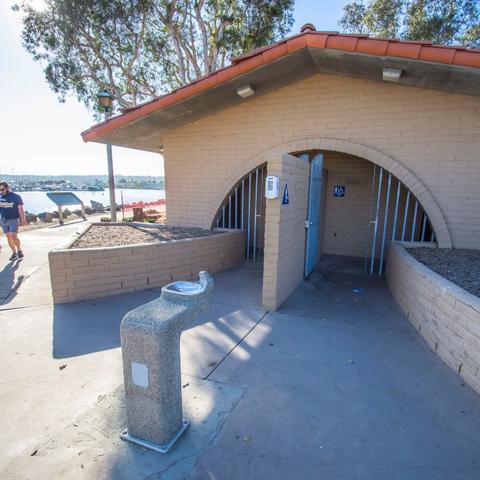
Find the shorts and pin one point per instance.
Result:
(10, 225)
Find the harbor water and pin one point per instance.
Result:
(37, 202)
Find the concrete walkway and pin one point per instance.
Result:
(334, 385)
(59, 364)
(339, 386)
(13, 275)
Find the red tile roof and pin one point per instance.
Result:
(416, 50)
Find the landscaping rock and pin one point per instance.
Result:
(118, 235)
(460, 266)
(46, 217)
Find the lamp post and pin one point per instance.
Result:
(106, 100)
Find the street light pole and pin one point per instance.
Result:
(106, 100)
(111, 179)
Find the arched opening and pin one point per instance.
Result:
(362, 207)
(319, 144)
(355, 208)
(244, 208)
(348, 219)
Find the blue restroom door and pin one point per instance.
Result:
(312, 224)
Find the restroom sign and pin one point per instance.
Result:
(339, 191)
(285, 199)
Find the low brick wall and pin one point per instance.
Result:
(83, 273)
(447, 316)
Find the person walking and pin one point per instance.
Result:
(12, 215)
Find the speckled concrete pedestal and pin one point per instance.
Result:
(150, 337)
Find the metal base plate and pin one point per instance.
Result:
(153, 446)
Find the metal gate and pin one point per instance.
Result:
(312, 224)
(244, 209)
(395, 214)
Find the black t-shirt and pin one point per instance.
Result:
(9, 205)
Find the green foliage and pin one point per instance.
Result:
(440, 21)
(138, 49)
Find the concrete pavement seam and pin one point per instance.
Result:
(237, 344)
(24, 307)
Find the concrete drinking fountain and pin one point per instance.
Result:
(150, 337)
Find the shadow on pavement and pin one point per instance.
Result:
(92, 326)
(9, 283)
(339, 385)
(87, 327)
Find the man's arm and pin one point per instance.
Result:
(23, 218)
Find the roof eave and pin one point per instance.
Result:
(323, 45)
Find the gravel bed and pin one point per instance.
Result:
(461, 267)
(120, 235)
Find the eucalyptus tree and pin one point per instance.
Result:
(440, 21)
(139, 49)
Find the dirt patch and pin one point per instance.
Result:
(461, 267)
(121, 235)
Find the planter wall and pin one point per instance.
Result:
(84, 273)
(447, 316)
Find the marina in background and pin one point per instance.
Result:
(72, 183)
(38, 202)
(130, 189)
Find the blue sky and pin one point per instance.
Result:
(39, 135)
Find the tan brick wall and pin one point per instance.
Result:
(446, 316)
(346, 218)
(284, 231)
(346, 230)
(429, 139)
(80, 274)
